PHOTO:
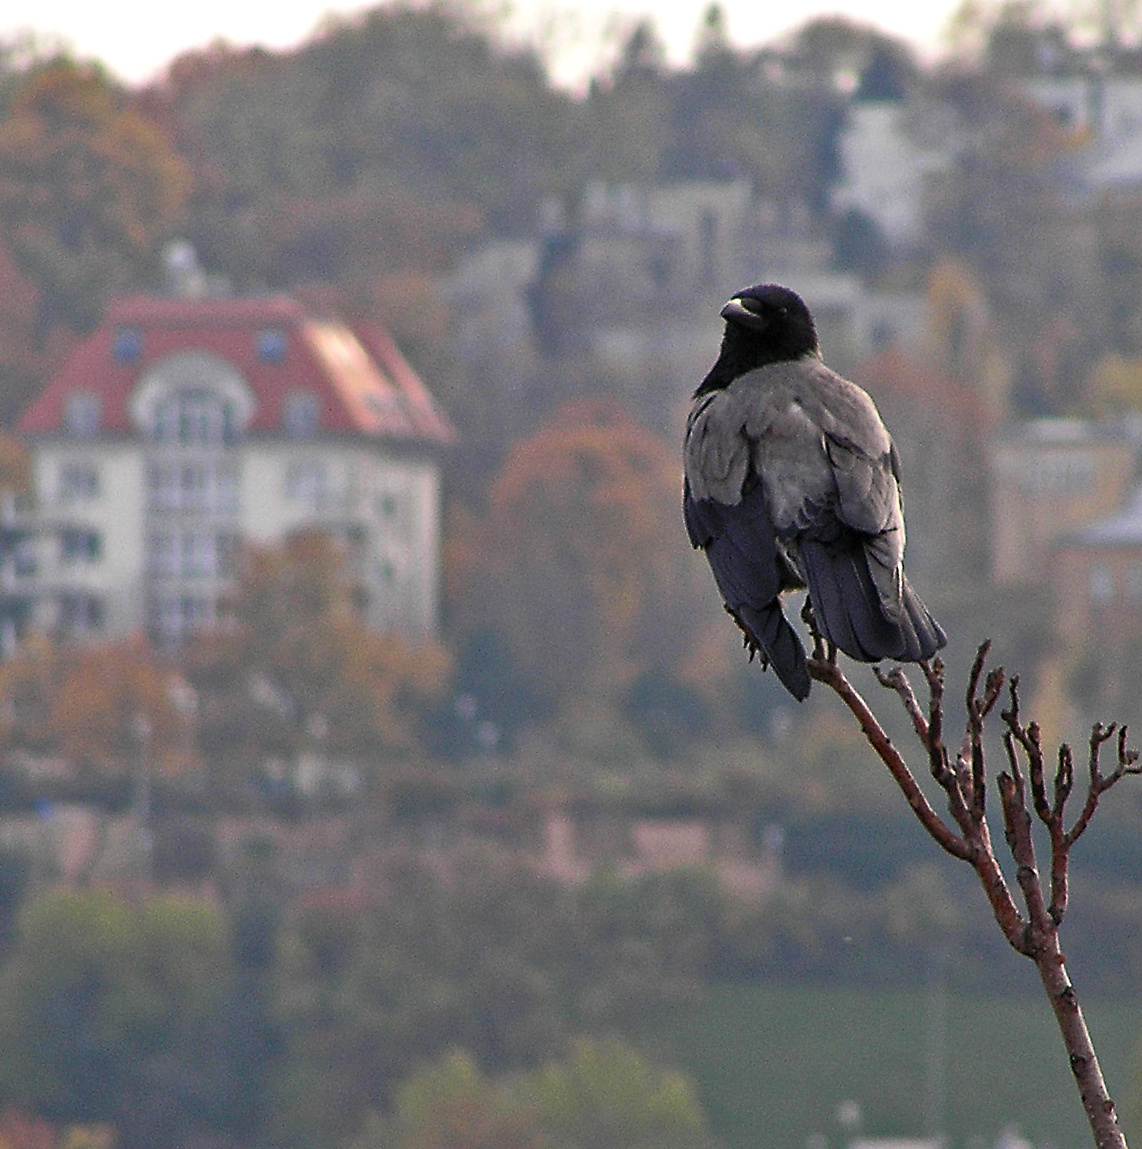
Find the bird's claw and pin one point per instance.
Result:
(823, 651)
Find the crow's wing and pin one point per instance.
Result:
(727, 515)
(809, 450)
(716, 453)
(751, 572)
(832, 477)
(828, 463)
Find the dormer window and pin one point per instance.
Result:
(127, 345)
(302, 415)
(81, 414)
(271, 345)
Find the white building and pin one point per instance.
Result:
(182, 428)
(890, 152)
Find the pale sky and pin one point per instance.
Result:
(137, 38)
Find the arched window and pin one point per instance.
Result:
(192, 399)
(193, 416)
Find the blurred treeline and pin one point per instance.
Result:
(309, 1020)
(584, 652)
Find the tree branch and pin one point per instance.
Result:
(830, 674)
(1035, 934)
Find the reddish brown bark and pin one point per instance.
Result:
(1024, 796)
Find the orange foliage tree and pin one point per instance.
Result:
(91, 705)
(580, 564)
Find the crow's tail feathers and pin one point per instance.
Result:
(851, 614)
(768, 631)
(925, 634)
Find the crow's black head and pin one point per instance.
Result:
(764, 324)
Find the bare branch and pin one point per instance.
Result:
(1096, 783)
(1064, 779)
(937, 752)
(1017, 830)
(978, 709)
(896, 679)
(832, 675)
(1060, 849)
(1035, 934)
(1038, 783)
(1127, 762)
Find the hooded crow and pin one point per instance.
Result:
(791, 483)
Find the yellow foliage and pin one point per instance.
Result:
(296, 621)
(90, 704)
(1114, 386)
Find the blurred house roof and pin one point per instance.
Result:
(362, 383)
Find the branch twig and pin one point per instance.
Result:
(1034, 932)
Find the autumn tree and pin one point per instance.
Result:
(377, 146)
(296, 667)
(92, 705)
(999, 212)
(575, 565)
(90, 191)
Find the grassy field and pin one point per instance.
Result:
(773, 1063)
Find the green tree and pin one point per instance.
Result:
(451, 1104)
(603, 1094)
(491, 959)
(626, 117)
(27, 354)
(606, 1094)
(97, 996)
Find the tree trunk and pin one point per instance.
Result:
(1080, 1050)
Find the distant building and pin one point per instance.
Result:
(1107, 108)
(890, 151)
(1105, 113)
(1051, 477)
(184, 427)
(633, 278)
(1097, 575)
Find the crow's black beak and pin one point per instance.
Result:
(743, 312)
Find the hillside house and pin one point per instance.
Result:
(1051, 477)
(183, 427)
(891, 151)
(1097, 574)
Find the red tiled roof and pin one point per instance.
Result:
(364, 385)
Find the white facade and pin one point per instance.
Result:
(890, 151)
(131, 536)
